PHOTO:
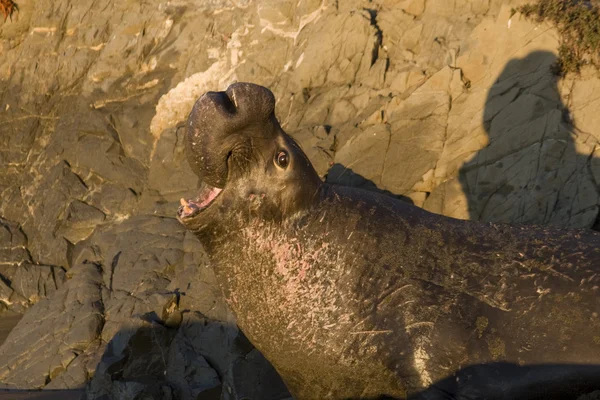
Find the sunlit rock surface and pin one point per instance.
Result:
(452, 105)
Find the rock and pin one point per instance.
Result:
(203, 359)
(162, 194)
(134, 365)
(584, 102)
(13, 244)
(253, 377)
(363, 152)
(60, 186)
(34, 282)
(524, 157)
(80, 221)
(23, 283)
(350, 42)
(196, 282)
(416, 99)
(7, 322)
(413, 7)
(139, 286)
(318, 144)
(418, 124)
(6, 297)
(55, 333)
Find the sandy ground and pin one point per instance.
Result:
(7, 322)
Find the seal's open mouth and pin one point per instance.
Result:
(207, 196)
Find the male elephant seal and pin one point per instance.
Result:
(354, 294)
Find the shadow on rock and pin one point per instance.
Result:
(40, 394)
(122, 319)
(200, 359)
(530, 171)
(495, 381)
(341, 175)
(195, 361)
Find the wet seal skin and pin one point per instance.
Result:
(354, 294)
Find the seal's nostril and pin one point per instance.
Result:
(222, 99)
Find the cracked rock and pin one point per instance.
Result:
(55, 332)
(416, 99)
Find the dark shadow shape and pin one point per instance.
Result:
(338, 174)
(504, 381)
(528, 126)
(508, 381)
(143, 361)
(146, 356)
(68, 394)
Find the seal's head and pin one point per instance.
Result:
(247, 163)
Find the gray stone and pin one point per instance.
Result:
(138, 286)
(55, 332)
(162, 194)
(407, 97)
(34, 282)
(80, 221)
(59, 186)
(363, 152)
(318, 144)
(23, 283)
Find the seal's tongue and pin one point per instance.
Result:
(207, 195)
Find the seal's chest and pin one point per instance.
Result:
(278, 276)
(299, 269)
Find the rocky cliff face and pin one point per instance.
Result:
(452, 104)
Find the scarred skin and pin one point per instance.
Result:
(354, 294)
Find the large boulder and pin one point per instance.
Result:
(418, 99)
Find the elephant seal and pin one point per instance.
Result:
(354, 294)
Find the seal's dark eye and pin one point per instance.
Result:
(282, 159)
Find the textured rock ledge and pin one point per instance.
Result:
(418, 98)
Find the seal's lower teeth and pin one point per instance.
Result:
(185, 210)
(189, 210)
